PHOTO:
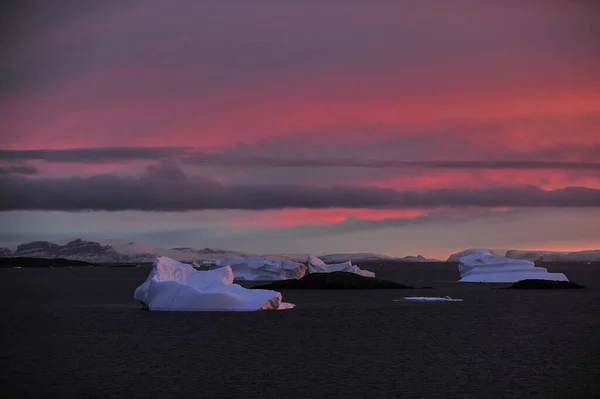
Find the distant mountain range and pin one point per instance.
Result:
(118, 251)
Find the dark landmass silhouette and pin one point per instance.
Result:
(534, 284)
(333, 280)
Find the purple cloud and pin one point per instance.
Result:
(166, 188)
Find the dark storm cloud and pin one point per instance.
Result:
(18, 170)
(166, 188)
(381, 164)
(225, 158)
(92, 155)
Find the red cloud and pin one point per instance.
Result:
(113, 108)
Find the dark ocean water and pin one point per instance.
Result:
(78, 333)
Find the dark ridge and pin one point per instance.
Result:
(560, 264)
(120, 264)
(5, 252)
(334, 280)
(41, 262)
(125, 264)
(534, 284)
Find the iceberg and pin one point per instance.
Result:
(263, 268)
(316, 265)
(540, 256)
(175, 286)
(428, 299)
(483, 267)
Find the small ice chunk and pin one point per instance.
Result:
(428, 299)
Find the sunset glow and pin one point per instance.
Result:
(320, 86)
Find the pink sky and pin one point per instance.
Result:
(244, 87)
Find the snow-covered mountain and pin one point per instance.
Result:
(541, 256)
(113, 251)
(123, 251)
(578, 256)
(141, 252)
(5, 252)
(75, 250)
(418, 258)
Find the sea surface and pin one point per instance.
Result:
(77, 332)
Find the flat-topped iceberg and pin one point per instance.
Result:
(540, 256)
(175, 286)
(316, 265)
(483, 267)
(263, 268)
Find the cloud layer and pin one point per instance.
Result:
(91, 155)
(166, 188)
(99, 155)
(18, 170)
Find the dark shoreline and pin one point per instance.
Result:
(25, 262)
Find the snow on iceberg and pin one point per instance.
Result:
(264, 268)
(316, 265)
(486, 268)
(356, 257)
(540, 256)
(175, 286)
(428, 299)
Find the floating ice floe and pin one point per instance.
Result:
(175, 286)
(428, 299)
(316, 265)
(483, 267)
(263, 268)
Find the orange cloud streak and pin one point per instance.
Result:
(304, 217)
(549, 180)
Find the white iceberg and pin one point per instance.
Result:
(455, 257)
(175, 286)
(356, 257)
(316, 265)
(483, 267)
(553, 256)
(264, 268)
(428, 299)
(540, 256)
